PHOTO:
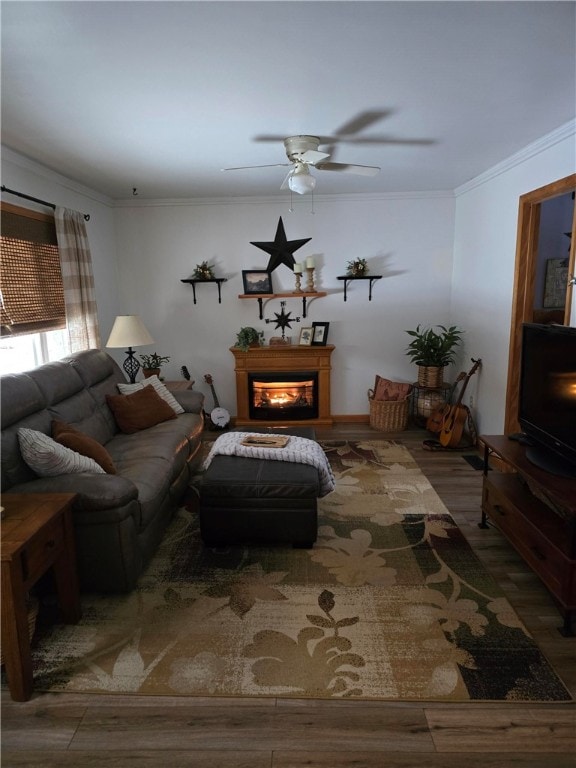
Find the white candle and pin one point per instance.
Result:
(309, 262)
(298, 268)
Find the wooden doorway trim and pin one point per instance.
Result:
(524, 281)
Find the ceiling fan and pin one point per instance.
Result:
(303, 153)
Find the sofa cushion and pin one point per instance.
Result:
(139, 410)
(153, 381)
(67, 435)
(48, 459)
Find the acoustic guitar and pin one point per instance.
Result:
(219, 417)
(436, 419)
(454, 421)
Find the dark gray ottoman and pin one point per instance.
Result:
(259, 501)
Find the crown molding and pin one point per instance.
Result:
(565, 131)
(302, 201)
(38, 169)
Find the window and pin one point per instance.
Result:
(32, 310)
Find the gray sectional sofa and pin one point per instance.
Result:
(120, 518)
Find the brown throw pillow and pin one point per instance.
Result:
(70, 437)
(384, 389)
(139, 410)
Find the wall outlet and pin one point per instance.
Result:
(471, 401)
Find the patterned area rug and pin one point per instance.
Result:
(390, 604)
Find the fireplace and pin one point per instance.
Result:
(283, 384)
(283, 396)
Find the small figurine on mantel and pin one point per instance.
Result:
(357, 268)
(203, 272)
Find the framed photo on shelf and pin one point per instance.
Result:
(320, 334)
(257, 281)
(306, 336)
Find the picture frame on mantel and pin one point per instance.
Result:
(257, 281)
(320, 334)
(306, 336)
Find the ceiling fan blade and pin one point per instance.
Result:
(312, 157)
(362, 121)
(379, 139)
(248, 167)
(284, 184)
(360, 170)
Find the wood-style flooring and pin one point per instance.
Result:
(178, 732)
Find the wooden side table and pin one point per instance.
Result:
(37, 534)
(178, 386)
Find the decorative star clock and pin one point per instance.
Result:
(283, 319)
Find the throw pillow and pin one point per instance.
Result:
(153, 381)
(69, 436)
(384, 389)
(139, 410)
(49, 459)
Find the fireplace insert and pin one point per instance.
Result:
(283, 395)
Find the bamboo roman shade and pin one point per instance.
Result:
(30, 274)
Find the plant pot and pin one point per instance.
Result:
(430, 376)
(151, 372)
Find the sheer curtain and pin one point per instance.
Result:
(77, 280)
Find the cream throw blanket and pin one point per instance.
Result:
(299, 450)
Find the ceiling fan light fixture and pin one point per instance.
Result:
(301, 181)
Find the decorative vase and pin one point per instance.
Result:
(151, 372)
(430, 376)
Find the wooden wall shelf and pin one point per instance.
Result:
(193, 282)
(266, 297)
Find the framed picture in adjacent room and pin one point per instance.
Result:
(306, 336)
(320, 334)
(257, 281)
(555, 283)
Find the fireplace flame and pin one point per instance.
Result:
(282, 394)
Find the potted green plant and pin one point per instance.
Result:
(249, 337)
(432, 350)
(151, 364)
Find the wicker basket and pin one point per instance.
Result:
(430, 376)
(388, 415)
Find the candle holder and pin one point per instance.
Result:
(310, 277)
(298, 288)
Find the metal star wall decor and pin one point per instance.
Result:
(281, 250)
(283, 319)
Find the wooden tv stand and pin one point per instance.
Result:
(536, 511)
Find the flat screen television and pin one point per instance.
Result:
(547, 403)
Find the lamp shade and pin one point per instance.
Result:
(302, 180)
(129, 331)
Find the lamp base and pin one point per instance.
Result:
(131, 365)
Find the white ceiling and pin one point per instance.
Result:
(161, 95)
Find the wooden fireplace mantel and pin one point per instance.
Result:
(283, 358)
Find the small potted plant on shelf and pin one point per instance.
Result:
(357, 268)
(203, 271)
(151, 364)
(432, 351)
(249, 337)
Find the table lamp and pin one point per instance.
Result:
(129, 331)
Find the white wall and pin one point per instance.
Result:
(484, 257)
(444, 260)
(32, 179)
(406, 238)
